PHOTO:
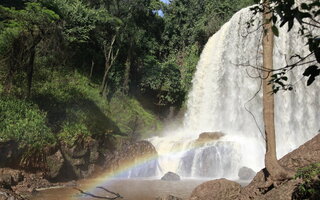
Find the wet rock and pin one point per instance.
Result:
(221, 189)
(169, 197)
(246, 173)
(170, 176)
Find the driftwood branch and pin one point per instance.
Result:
(116, 195)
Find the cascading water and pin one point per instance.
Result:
(225, 98)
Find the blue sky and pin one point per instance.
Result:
(165, 1)
(160, 11)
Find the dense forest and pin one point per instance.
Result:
(72, 69)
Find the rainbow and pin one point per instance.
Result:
(126, 166)
(122, 169)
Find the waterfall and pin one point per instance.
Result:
(226, 98)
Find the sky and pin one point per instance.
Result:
(165, 1)
(160, 11)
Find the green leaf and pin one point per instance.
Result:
(274, 19)
(275, 31)
(290, 24)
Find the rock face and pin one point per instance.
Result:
(65, 163)
(76, 162)
(305, 155)
(170, 176)
(221, 189)
(246, 173)
(131, 154)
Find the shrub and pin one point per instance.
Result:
(71, 132)
(23, 122)
(310, 186)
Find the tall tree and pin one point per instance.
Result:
(24, 29)
(276, 171)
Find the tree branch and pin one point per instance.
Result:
(117, 195)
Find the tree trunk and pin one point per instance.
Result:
(9, 79)
(30, 65)
(276, 171)
(30, 70)
(127, 71)
(14, 60)
(91, 70)
(108, 61)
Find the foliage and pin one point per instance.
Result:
(71, 132)
(306, 15)
(190, 22)
(310, 186)
(77, 111)
(187, 27)
(61, 49)
(132, 118)
(24, 122)
(163, 78)
(21, 31)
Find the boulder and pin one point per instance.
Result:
(208, 137)
(221, 189)
(246, 173)
(170, 176)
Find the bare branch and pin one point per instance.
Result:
(100, 197)
(310, 24)
(105, 189)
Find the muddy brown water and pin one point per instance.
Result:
(130, 189)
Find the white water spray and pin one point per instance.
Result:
(225, 98)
